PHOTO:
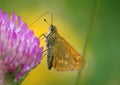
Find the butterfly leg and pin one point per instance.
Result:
(44, 53)
(43, 36)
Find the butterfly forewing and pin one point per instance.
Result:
(65, 56)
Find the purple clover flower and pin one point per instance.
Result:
(20, 50)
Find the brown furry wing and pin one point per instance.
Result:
(65, 56)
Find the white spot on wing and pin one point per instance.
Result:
(66, 56)
(66, 62)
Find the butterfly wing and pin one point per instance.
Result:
(65, 56)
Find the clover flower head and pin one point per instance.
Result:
(20, 50)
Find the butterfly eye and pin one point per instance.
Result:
(52, 29)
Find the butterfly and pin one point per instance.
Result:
(60, 54)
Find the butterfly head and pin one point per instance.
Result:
(52, 29)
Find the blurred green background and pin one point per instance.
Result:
(74, 18)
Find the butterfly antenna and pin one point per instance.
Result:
(47, 22)
(45, 19)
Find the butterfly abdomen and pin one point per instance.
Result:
(49, 57)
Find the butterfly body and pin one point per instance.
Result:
(60, 54)
(50, 41)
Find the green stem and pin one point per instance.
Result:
(88, 36)
(10, 79)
